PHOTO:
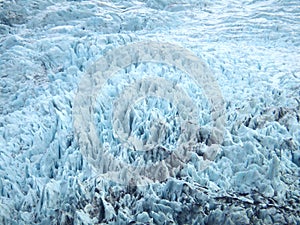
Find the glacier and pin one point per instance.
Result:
(252, 48)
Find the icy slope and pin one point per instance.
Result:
(252, 47)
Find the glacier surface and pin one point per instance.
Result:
(252, 48)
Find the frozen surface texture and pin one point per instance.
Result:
(253, 49)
